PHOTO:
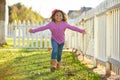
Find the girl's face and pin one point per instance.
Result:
(58, 17)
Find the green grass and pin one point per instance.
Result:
(28, 64)
(34, 64)
(10, 43)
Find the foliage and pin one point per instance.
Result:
(20, 12)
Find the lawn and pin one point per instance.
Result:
(34, 64)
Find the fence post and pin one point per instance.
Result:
(108, 51)
(36, 40)
(14, 33)
(23, 34)
(28, 34)
(19, 33)
(95, 40)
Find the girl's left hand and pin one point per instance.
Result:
(30, 30)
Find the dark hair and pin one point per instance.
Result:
(63, 14)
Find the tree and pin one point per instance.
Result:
(2, 21)
(20, 12)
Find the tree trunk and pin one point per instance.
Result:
(2, 21)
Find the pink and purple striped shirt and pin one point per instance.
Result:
(57, 30)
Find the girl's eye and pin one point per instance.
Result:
(58, 15)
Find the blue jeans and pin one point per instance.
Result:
(56, 50)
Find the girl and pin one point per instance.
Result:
(57, 26)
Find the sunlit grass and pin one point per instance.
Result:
(27, 43)
(9, 43)
(28, 64)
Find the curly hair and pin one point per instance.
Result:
(63, 15)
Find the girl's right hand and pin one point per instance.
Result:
(30, 30)
(84, 32)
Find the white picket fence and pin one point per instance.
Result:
(23, 39)
(103, 28)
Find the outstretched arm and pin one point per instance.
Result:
(41, 28)
(75, 29)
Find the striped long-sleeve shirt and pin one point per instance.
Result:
(57, 30)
